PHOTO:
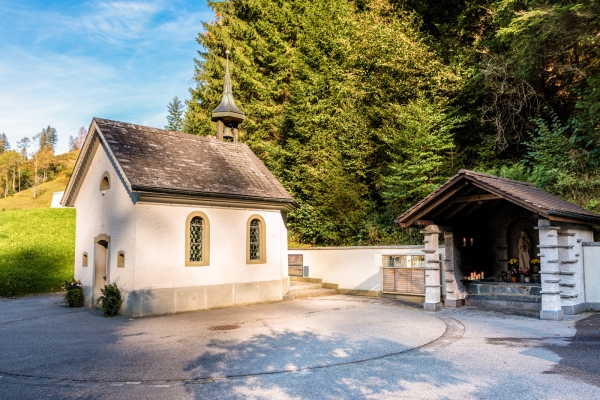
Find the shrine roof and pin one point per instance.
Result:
(523, 194)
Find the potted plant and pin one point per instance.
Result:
(526, 275)
(513, 269)
(534, 265)
(511, 275)
(74, 295)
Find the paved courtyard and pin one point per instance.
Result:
(320, 348)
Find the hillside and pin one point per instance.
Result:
(37, 243)
(25, 199)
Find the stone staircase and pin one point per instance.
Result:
(309, 287)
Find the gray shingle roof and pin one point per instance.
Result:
(524, 194)
(159, 160)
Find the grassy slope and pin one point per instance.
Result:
(36, 250)
(37, 243)
(24, 199)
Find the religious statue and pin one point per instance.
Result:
(524, 251)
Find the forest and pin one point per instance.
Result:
(363, 107)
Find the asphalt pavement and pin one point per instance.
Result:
(325, 348)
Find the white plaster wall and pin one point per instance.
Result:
(357, 268)
(591, 261)
(112, 214)
(161, 237)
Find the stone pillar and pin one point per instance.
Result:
(549, 246)
(571, 269)
(433, 287)
(454, 290)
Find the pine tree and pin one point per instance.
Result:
(175, 116)
(4, 145)
(47, 139)
(328, 89)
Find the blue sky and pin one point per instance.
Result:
(64, 62)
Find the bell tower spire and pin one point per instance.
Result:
(227, 115)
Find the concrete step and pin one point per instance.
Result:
(303, 285)
(330, 285)
(301, 294)
(302, 279)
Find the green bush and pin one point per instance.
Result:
(111, 300)
(74, 295)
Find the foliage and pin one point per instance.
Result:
(175, 116)
(75, 143)
(361, 108)
(4, 145)
(74, 294)
(36, 250)
(47, 139)
(333, 91)
(111, 300)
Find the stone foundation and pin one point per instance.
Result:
(147, 302)
(526, 296)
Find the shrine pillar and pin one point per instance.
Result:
(455, 296)
(549, 270)
(433, 286)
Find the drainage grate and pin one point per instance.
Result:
(223, 327)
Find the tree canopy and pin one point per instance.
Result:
(362, 107)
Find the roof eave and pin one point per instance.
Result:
(407, 219)
(567, 216)
(178, 192)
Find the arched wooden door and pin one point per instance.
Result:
(100, 269)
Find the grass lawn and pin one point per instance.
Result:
(36, 250)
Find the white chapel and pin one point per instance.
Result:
(179, 222)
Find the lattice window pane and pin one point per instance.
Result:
(255, 239)
(196, 239)
(395, 261)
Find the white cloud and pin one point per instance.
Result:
(123, 60)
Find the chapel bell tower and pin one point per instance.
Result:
(227, 115)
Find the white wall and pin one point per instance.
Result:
(161, 237)
(56, 198)
(591, 262)
(112, 214)
(356, 268)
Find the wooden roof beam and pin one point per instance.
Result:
(480, 197)
(434, 204)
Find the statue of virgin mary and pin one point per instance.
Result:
(524, 251)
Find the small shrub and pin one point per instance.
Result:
(74, 295)
(111, 300)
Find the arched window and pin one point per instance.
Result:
(197, 240)
(105, 181)
(84, 260)
(256, 237)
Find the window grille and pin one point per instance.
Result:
(408, 261)
(196, 239)
(255, 239)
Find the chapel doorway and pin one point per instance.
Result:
(100, 269)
